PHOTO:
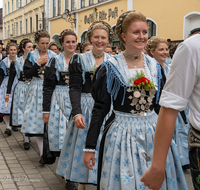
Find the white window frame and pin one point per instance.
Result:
(26, 26)
(17, 4)
(20, 31)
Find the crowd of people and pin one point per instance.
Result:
(100, 106)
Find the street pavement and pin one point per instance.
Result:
(20, 169)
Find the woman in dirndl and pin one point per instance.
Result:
(157, 48)
(133, 81)
(56, 101)
(5, 64)
(81, 70)
(16, 70)
(85, 46)
(34, 66)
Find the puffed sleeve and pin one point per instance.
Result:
(75, 85)
(100, 110)
(162, 83)
(1, 76)
(30, 70)
(11, 77)
(49, 85)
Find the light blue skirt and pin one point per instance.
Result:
(32, 121)
(70, 164)
(128, 140)
(181, 139)
(18, 103)
(59, 115)
(3, 89)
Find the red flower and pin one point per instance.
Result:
(137, 81)
(146, 80)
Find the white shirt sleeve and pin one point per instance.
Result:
(181, 79)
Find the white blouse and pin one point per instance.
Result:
(183, 82)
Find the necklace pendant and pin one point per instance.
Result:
(148, 158)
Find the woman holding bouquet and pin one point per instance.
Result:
(133, 81)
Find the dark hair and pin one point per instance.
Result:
(64, 33)
(53, 44)
(3, 49)
(83, 45)
(23, 44)
(41, 34)
(168, 40)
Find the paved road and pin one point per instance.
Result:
(19, 169)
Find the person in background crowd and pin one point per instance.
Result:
(127, 143)
(4, 52)
(53, 46)
(34, 66)
(85, 47)
(5, 104)
(194, 31)
(157, 48)
(81, 69)
(108, 49)
(1, 48)
(18, 100)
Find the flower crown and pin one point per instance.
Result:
(63, 32)
(11, 44)
(123, 17)
(39, 31)
(149, 42)
(24, 42)
(111, 34)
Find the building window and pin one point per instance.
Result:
(36, 22)
(26, 25)
(101, 1)
(73, 5)
(20, 27)
(8, 7)
(8, 31)
(43, 21)
(26, 2)
(30, 23)
(151, 28)
(115, 41)
(5, 33)
(82, 3)
(12, 5)
(59, 7)
(54, 8)
(20, 3)
(5, 9)
(66, 4)
(16, 29)
(13, 30)
(84, 37)
(17, 4)
(91, 2)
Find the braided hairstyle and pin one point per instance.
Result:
(41, 34)
(23, 43)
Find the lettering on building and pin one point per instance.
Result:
(101, 15)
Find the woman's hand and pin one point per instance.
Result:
(153, 178)
(42, 60)
(86, 159)
(6, 98)
(45, 117)
(79, 122)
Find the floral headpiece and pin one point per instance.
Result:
(11, 44)
(63, 32)
(149, 42)
(39, 31)
(111, 34)
(123, 17)
(24, 42)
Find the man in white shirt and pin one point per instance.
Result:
(181, 88)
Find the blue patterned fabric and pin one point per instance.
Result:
(18, 103)
(127, 140)
(3, 88)
(32, 121)
(59, 115)
(70, 164)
